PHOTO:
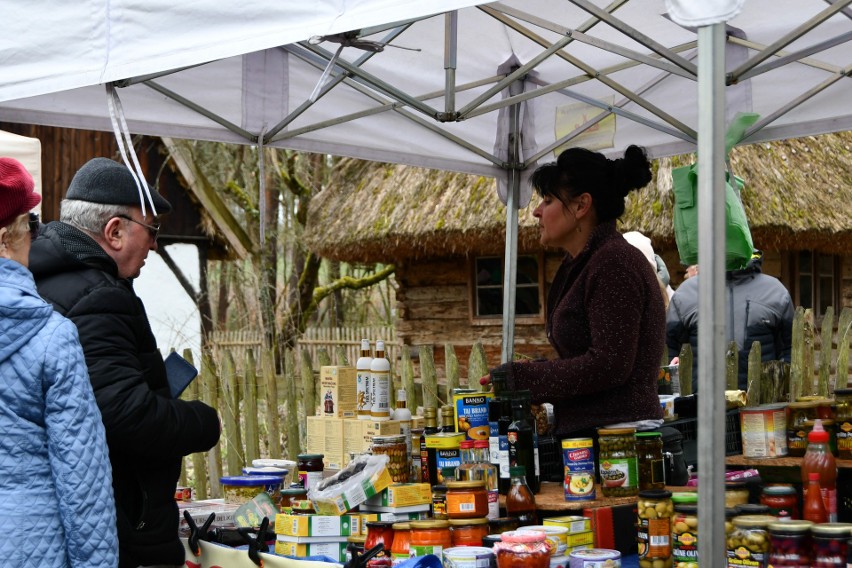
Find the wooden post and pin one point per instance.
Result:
(293, 442)
(199, 470)
(477, 366)
(340, 355)
(732, 366)
(210, 395)
(754, 392)
(415, 397)
(796, 356)
(231, 417)
(824, 388)
(844, 330)
(429, 377)
(451, 368)
(250, 389)
(774, 382)
(808, 354)
(273, 419)
(684, 369)
(308, 386)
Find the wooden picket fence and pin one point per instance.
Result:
(263, 412)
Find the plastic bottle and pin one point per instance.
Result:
(402, 414)
(819, 459)
(380, 384)
(520, 501)
(814, 508)
(363, 378)
(521, 444)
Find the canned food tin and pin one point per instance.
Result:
(578, 456)
(469, 557)
(593, 557)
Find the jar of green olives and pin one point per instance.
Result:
(748, 542)
(617, 462)
(685, 535)
(654, 528)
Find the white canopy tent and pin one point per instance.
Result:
(593, 73)
(26, 150)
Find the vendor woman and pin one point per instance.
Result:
(605, 315)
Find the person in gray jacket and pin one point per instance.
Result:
(758, 307)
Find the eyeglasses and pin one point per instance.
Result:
(34, 224)
(153, 230)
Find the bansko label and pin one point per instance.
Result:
(472, 415)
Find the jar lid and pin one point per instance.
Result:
(391, 439)
(527, 537)
(751, 509)
(815, 398)
(842, 392)
(754, 521)
(502, 521)
(616, 431)
(428, 524)
(489, 540)
(779, 490)
(802, 404)
(272, 471)
(439, 488)
(685, 498)
(380, 524)
(825, 422)
(401, 526)
(655, 494)
(790, 527)
(471, 484)
(250, 480)
(466, 444)
(832, 529)
(481, 444)
(465, 522)
(686, 509)
(648, 435)
(306, 457)
(734, 485)
(294, 491)
(357, 539)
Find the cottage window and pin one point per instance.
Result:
(817, 282)
(488, 287)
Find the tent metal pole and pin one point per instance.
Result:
(510, 262)
(711, 293)
(451, 46)
(789, 38)
(802, 56)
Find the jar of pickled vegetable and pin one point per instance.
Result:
(528, 549)
(843, 418)
(790, 544)
(748, 542)
(831, 544)
(685, 535)
(468, 532)
(397, 450)
(736, 493)
(649, 453)
(618, 464)
(654, 528)
(430, 537)
(782, 500)
(466, 499)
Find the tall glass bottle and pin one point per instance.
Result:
(520, 501)
(503, 423)
(448, 422)
(363, 381)
(430, 419)
(526, 399)
(465, 470)
(484, 470)
(520, 438)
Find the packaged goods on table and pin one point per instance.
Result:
(574, 523)
(654, 528)
(334, 548)
(400, 549)
(790, 544)
(468, 532)
(430, 537)
(748, 542)
(763, 430)
(241, 489)
(578, 458)
(518, 549)
(361, 479)
(593, 557)
(831, 544)
(469, 557)
(317, 525)
(618, 463)
(396, 449)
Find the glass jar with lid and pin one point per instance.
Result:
(654, 527)
(466, 499)
(380, 532)
(468, 532)
(310, 469)
(843, 418)
(790, 544)
(401, 543)
(430, 537)
(831, 544)
(649, 453)
(782, 500)
(685, 534)
(748, 542)
(736, 493)
(529, 549)
(396, 449)
(617, 461)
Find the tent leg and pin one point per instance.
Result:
(711, 293)
(511, 255)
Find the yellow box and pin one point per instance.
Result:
(354, 496)
(338, 390)
(445, 440)
(402, 495)
(333, 443)
(574, 523)
(334, 550)
(353, 438)
(317, 525)
(576, 539)
(315, 434)
(378, 428)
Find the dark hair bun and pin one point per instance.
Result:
(633, 171)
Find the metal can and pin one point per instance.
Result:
(578, 456)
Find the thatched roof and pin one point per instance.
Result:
(797, 196)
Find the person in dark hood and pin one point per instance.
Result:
(84, 265)
(759, 308)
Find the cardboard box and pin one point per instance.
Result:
(354, 495)
(379, 428)
(424, 508)
(338, 391)
(393, 517)
(317, 525)
(573, 523)
(315, 434)
(402, 495)
(614, 527)
(336, 550)
(333, 443)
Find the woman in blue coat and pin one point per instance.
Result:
(56, 500)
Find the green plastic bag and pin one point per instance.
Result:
(738, 242)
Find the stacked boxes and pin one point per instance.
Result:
(580, 535)
(313, 535)
(338, 389)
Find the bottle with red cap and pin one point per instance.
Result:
(819, 459)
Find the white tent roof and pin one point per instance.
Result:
(242, 65)
(27, 151)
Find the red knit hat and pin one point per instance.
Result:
(17, 190)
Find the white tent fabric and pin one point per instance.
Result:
(27, 151)
(62, 52)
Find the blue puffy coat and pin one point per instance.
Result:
(56, 498)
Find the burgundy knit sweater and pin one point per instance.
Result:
(606, 321)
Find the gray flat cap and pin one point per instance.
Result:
(102, 180)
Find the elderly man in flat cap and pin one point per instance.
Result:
(84, 265)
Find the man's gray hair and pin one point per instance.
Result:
(88, 216)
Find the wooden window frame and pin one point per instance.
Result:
(795, 276)
(497, 319)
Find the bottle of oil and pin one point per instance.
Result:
(448, 422)
(430, 419)
(521, 450)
